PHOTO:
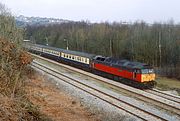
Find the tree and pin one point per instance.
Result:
(13, 59)
(8, 28)
(156, 44)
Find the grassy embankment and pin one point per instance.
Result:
(166, 84)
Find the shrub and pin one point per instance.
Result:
(13, 62)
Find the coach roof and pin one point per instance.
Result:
(82, 54)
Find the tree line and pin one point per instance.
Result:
(8, 28)
(157, 44)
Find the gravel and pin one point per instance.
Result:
(102, 109)
(131, 100)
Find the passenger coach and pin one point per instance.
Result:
(77, 59)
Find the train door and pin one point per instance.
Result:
(136, 71)
(134, 74)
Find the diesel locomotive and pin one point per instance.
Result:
(136, 74)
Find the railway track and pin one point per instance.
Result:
(165, 95)
(114, 101)
(165, 101)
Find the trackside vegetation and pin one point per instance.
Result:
(14, 103)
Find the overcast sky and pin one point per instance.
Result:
(99, 10)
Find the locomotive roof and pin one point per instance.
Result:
(117, 62)
(126, 63)
(82, 54)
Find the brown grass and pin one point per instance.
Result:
(14, 104)
(166, 84)
(56, 104)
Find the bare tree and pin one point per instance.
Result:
(8, 28)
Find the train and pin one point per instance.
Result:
(136, 74)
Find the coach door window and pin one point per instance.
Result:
(135, 73)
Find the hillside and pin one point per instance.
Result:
(23, 21)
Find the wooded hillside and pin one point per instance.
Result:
(157, 44)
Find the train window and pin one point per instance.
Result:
(151, 71)
(73, 57)
(137, 71)
(144, 71)
(100, 58)
(86, 60)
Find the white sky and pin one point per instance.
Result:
(99, 10)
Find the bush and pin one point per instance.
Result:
(13, 62)
(14, 104)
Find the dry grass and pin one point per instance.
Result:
(165, 83)
(55, 103)
(14, 104)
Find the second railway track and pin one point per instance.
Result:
(163, 102)
(129, 108)
(164, 95)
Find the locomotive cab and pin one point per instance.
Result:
(144, 75)
(147, 75)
